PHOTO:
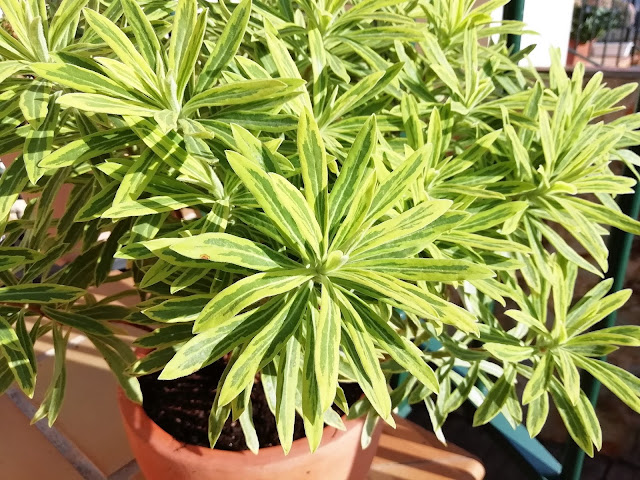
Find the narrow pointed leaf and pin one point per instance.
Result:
(398, 347)
(226, 46)
(225, 248)
(327, 347)
(245, 292)
(427, 269)
(39, 293)
(17, 358)
(346, 187)
(282, 202)
(313, 161)
(288, 374)
(270, 339)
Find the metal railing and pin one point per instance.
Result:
(606, 32)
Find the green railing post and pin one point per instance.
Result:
(620, 244)
(514, 10)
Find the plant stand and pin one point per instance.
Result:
(411, 452)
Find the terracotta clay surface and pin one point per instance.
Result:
(412, 453)
(161, 457)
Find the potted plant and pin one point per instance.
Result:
(589, 23)
(364, 181)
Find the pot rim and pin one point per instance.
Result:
(135, 417)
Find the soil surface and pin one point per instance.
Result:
(181, 408)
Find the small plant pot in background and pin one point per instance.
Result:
(162, 457)
(60, 202)
(582, 49)
(59, 206)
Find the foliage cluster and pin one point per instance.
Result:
(368, 178)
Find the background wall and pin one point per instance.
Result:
(552, 20)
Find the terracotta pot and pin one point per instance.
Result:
(59, 206)
(160, 456)
(583, 49)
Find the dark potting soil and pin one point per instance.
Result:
(181, 408)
